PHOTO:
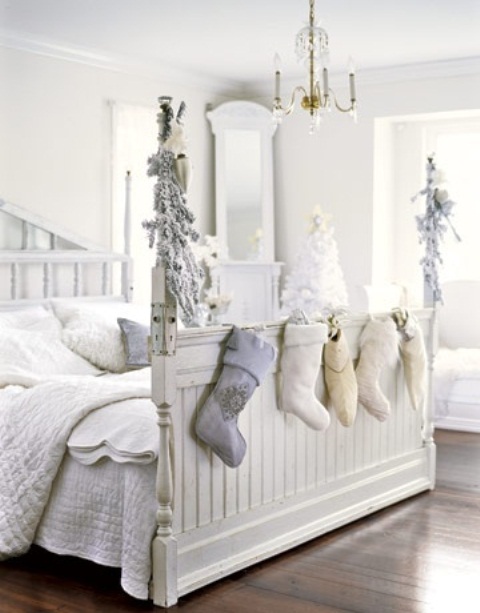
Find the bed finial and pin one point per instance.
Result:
(164, 118)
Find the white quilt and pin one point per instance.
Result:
(35, 424)
(125, 432)
(104, 513)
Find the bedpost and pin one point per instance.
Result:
(163, 337)
(127, 232)
(429, 425)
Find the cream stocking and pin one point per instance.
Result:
(340, 379)
(378, 349)
(300, 367)
(414, 357)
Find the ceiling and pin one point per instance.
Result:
(236, 40)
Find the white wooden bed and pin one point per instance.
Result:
(201, 519)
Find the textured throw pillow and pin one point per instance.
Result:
(94, 337)
(109, 310)
(135, 342)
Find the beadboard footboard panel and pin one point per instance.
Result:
(231, 544)
(294, 483)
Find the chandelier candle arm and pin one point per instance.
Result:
(351, 79)
(277, 62)
(325, 85)
(312, 48)
(277, 85)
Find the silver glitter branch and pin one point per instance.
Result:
(171, 230)
(432, 226)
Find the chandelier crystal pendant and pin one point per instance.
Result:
(311, 46)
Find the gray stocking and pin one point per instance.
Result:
(246, 361)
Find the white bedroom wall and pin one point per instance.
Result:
(55, 145)
(336, 169)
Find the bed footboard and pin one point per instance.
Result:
(294, 483)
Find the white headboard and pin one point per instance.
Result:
(40, 260)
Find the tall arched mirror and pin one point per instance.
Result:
(244, 205)
(244, 179)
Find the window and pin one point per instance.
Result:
(457, 152)
(134, 140)
(402, 145)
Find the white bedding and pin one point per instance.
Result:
(78, 446)
(125, 431)
(456, 377)
(35, 424)
(104, 513)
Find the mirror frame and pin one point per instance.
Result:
(240, 114)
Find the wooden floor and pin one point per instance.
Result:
(422, 555)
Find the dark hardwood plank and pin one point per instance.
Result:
(420, 556)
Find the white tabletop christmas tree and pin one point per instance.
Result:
(316, 283)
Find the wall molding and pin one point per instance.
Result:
(230, 87)
(117, 63)
(381, 76)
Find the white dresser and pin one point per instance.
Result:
(255, 289)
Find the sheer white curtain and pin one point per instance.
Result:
(134, 140)
(458, 154)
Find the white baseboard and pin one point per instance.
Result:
(460, 416)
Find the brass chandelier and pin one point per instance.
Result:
(311, 45)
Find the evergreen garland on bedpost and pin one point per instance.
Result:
(431, 227)
(171, 229)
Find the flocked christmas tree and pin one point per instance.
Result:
(316, 283)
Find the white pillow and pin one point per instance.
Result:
(36, 319)
(95, 337)
(106, 309)
(91, 329)
(39, 354)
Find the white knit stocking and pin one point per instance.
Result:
(378, 349)
(414, 358)
(300, 367)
